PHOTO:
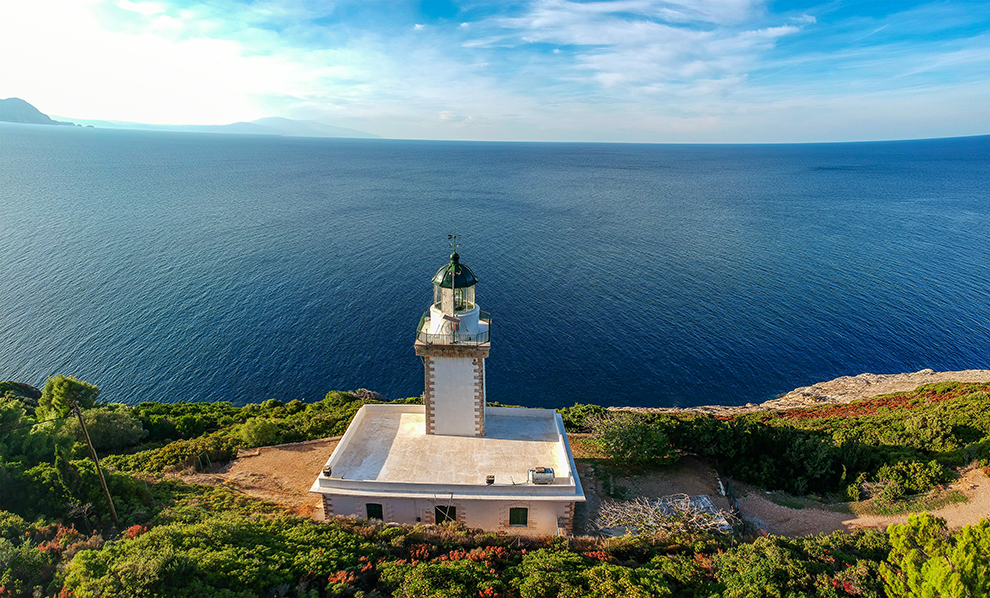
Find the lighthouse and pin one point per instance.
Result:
(453, 339)
(454, 458)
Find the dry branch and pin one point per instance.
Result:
(675, 514)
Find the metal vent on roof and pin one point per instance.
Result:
(541, 475)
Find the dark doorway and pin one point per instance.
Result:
(375, 511)
(443, 514)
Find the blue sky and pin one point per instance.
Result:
(541, 70)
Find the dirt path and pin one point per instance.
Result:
(281, 474)
(784, 521)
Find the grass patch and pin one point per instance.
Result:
(930, 501)
(584, 447)
(784, 499)
(790, 501)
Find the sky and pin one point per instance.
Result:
(541, 70)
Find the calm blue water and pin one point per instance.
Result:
(194, 267)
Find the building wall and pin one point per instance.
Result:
(455, 390)
(543, 516)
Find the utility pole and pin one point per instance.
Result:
(99, 470)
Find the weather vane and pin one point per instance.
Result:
(454, 239)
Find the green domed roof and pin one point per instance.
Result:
(462, 275)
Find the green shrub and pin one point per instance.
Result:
(450, 579)
(22, 441)
(258, 431)
(548, 574)
(576, 418)
(109, 426)
(631, 439)
(767, 567)
(212, 448)
(913, 477)
(221, 555)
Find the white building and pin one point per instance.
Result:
(454, 457)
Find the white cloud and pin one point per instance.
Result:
(632, 44)
(644, 70)
(144, 8)
(143, 76)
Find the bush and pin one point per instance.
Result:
(607, 580)
(22, 441)
(221, 555)
(576, 418)
(213, 448)
(633, 440)
(767, 567)
(109, 426)
(258, 431)
(450, 579)
(913, 477)
(549, 574)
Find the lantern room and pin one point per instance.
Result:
(453, 287)
(454, 316)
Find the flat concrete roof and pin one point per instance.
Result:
(386, 447)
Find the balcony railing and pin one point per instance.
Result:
(457, 338)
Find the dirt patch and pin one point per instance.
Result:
(776, 519)
(279, 474)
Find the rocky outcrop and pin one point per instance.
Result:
(841, 390)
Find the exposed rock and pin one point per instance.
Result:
(370, 395)
(841, 390)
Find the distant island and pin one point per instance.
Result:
(16, 110)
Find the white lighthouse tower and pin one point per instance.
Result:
(453, 458)
(454, 339)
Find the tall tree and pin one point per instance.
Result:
(62, 393)
(927, 561)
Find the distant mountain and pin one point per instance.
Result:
(16, 110)
(307, 128)
(263, 126)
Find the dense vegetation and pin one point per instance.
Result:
(56, 537)
(886, 447)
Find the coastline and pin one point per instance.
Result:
(844, 389)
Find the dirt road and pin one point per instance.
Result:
(783, 521)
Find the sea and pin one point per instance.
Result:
(197, 267)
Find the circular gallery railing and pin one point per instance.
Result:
(456, 338)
